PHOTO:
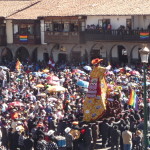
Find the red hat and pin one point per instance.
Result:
(40, 124)
(96, 61)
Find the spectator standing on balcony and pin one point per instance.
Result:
(148, 27)
(109, 27)
(104, 26)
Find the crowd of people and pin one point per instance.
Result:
(36, 116)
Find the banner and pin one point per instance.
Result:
(144, 35)
(23, 38)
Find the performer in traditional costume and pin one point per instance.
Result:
(94, 105)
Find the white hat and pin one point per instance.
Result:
(50, 132)
(17, 129)
(67, 130)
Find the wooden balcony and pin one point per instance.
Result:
(62, 37)
(115, 35)
(31, 39)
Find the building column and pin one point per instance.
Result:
(129, 48)
(9, 31)
(108, 51)
(42, 32)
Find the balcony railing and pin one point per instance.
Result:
(62, 37)
(31, 39)
(116, 35)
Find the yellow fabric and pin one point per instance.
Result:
(94, 108)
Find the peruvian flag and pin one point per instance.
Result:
(51, 63)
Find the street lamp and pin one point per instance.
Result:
(144, 53)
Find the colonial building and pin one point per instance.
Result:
(76, 31)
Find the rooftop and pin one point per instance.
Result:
(33, 9)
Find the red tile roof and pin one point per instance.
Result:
(8, 8)
(83, 7)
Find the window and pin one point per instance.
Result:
(104, 23)
(24, 29)
(128, 24)
(30, 29)
(83, 26)
(15, 28)
(74, 27)
(100, 22)
(48, 26)
(66, 27)
(58, 26)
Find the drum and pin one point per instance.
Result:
(61, 141)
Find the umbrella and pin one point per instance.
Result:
(44, 75)
(128, 69)
(39, 85)
(21, 76)
(4, 67)
(53, 80)
(82, 83)
(52, 99)
(16, 104)
(109, 73)
(78, 71)
(55, 89)
(45, 70)
(18, 79)
(88, 68)
(37, 74)
(116, 70)
(42, 94)
(134, 72)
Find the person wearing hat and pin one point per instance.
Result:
(51, 135)
(95, 102)
(69, 139)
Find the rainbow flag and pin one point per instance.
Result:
(144, 35)
(23, 38)
(133, 100)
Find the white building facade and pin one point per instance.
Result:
(98, 42)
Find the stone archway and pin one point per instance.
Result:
(96, 51)
(62, 58)
(118, 54)
(22, 54)
(6, 55)
(75, 54)
(134, 55)
(34, 55)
